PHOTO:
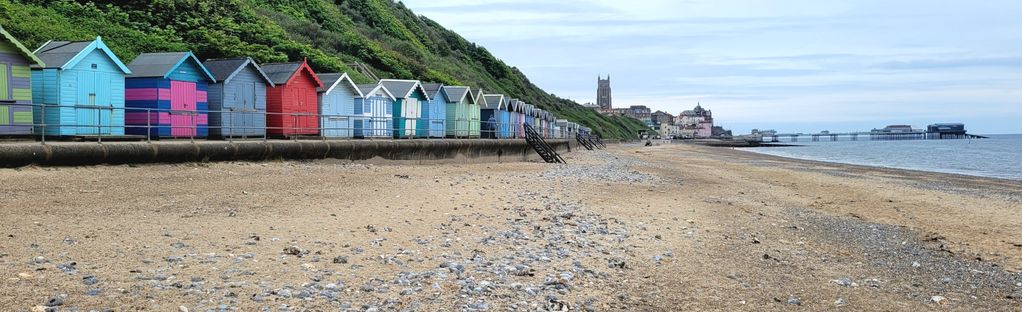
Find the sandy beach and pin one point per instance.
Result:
(631, 228)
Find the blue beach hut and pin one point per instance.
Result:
(237, 101)
(337, 105)
(495, 117)
(434, 111)
(374, 112)
(80, 90)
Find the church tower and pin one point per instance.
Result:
(603, 93)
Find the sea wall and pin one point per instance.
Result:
(373, 151)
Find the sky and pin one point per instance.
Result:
(787, 65)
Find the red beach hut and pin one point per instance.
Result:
(292, 104)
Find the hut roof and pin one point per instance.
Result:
(225, 69)
(21, 48)
(371, 88)
(66, 54)
(163, 64)
(281, 73)
(494, 101)
(403, 88)
(332, 80)
(433, 89)
(456, 94)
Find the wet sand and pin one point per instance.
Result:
(632, 228)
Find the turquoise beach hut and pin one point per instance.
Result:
(82, 88)
(458, 101)
(407, 106)
(474, 117)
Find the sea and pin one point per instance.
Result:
(1000, 156)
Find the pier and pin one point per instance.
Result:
(940, 131)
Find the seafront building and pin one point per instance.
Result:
(696, 123)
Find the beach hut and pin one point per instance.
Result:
(237, 101)
(474, 117)
(16, 85)
(337, 105)
(434, 111)
(537, 117)
(166, 95)
(495, 118)
(374, 112)
(530, 115)
(458, 101)
(516, 108)
(292, 104)
(407, 106)
(548, 124)
(79, 90)
(561, 129)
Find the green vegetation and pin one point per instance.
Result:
(384, 35)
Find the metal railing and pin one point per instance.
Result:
(99, 123)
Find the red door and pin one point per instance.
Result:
(183, 120)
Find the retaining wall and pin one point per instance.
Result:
(374, 151)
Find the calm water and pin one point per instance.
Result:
(998, 157)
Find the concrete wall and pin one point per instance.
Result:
(373, 151)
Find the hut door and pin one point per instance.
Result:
(242, 109)
(182, 105)
(86, 116)
(103, 103)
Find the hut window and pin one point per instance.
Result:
(95, 66)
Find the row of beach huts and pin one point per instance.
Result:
(81, 88)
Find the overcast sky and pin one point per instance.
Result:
(789, 65)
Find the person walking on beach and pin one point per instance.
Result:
(491, 128)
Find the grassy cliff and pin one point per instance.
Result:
(384, 35)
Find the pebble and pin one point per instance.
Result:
(794, 301)
(68, 267)
(89, 280)
(840, 302)
(55, 301)
(844, 281)
(340, 259)
(915, 264)
(941, 300)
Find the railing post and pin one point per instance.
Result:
(195, 129)
(230, 133)
(148, 125)
(99, 124)
(42, 134)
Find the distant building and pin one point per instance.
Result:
(895, 129)
(592, 106)
(640, 112)
(662, 118)
(603, 98)
(696, 123)
(945, 131)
